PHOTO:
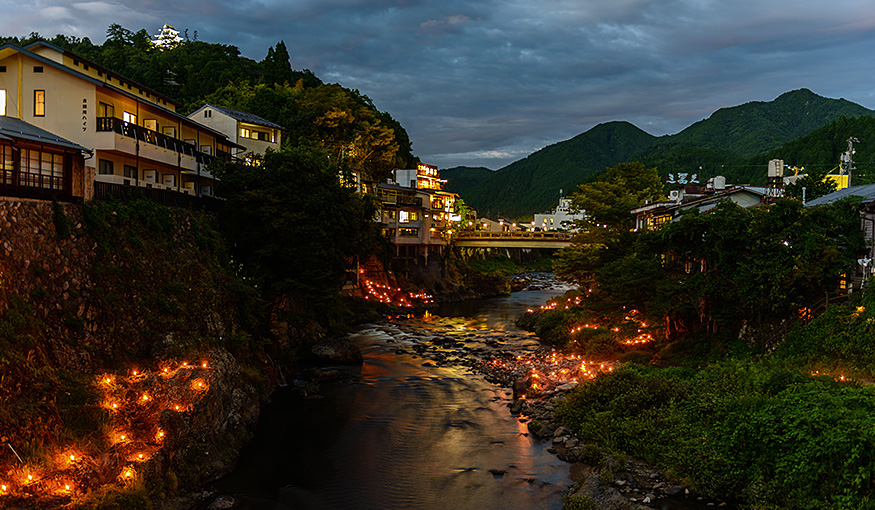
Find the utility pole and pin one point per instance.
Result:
(847, 159)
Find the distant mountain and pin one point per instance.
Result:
(462, 178)
(757, 127)
(533, 184)
(727, 143)
(821, 149)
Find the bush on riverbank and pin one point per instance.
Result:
(837, 342)
(767, 434)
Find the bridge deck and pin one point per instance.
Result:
(513, 239)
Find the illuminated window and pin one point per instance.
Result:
(403, 217)
(129, 117)
(244, 132)
(105, 109)
(39, 103)
(2, 101)
(408, 232)
(41, 169)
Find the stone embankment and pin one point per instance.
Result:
(110, 289)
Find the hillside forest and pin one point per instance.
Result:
(807, 131)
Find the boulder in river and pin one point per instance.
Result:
(338, 350)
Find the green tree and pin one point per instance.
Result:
(607, 201)
(815, 183)
(294, 228)
(606, 232)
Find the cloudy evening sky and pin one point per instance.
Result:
(487, 82)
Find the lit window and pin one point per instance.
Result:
(403, 216)
(244, 133)
(39, 103)
(105, 109)
(129, 118)
(2, 102)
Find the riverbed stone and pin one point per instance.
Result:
(340, 351)
(674, 490)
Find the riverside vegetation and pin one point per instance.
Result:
(735, 383)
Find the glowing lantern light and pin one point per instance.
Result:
(204, 364)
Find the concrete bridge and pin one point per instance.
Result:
(526, 240)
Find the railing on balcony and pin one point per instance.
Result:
(116, 125)
(34, 185)
(392, 198)
(110, 190)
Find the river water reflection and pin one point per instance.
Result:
(402, 433)
(413, 428)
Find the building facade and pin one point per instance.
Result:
(700, 198)
(560, 218)
(135, 135)
(37, 164)
(417, 216)
(252, 134)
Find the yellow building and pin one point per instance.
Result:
(135, 134)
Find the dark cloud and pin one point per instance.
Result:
(485, 83)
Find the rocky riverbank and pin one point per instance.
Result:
(538, 378)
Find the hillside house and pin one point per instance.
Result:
(252, 134)
(135, 134)
(866, 194)
(417, 216)
(696, 197)
(560, 218)
(37, 164)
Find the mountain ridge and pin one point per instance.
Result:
(722, 143)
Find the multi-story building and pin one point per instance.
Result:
(416, 215)
(136, 135)
(560, 218)
(252, 134)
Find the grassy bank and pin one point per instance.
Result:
(793, 429)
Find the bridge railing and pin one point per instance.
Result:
(563, 236)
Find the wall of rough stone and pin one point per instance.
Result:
(125, 291)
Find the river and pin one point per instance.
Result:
(415, 427)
